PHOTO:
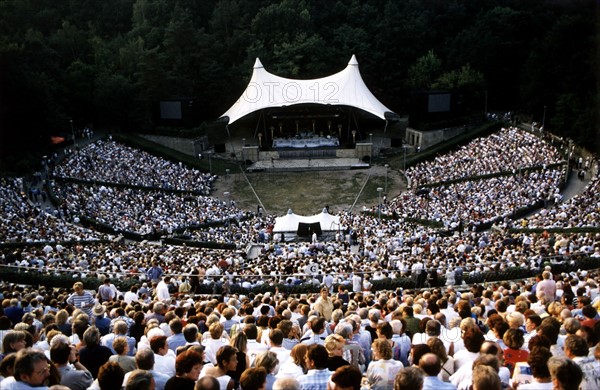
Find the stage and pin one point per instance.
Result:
(306, 141)
(307, 164)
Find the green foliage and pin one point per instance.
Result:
(423, 74)
(107, 63)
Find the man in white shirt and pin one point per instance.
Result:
(254, 347)
(162, 289)
(276, 337)
(164, 358)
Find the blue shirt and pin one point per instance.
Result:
(315, 379)
(434, 383)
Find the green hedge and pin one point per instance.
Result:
(41, 244)
(490, 176)
(30, 277)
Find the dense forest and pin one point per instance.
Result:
(107, 63)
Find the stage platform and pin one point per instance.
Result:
(307, 164)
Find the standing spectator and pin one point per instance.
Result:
(162, 290)
(547, 286)
(82, 299)
(107, 292)
(324, 305)
(93, 355)
(154, 273)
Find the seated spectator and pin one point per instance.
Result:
(409, 378)
(253, 379)
(565, 374)
(110, 376)
(140, 380)
(72, 373)
(318, 375)
(383, 369)
(31, 370)
(187, 366)
(346, 377)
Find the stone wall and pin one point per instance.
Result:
(191, 147)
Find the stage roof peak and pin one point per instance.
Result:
(345, 88)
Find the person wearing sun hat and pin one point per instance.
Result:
(100, 320)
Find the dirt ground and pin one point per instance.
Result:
(307, 193)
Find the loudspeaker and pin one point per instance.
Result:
(219, 148)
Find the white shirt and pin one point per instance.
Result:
(162, 291)
(165, 364)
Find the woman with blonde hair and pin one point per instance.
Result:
(62, 318)
(240, 342)
(296, 365)
(334, 344)
(438, 348)
(268, 360)
(382, 371)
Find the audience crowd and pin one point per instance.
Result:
(143, 212)
(509, 150)
(109, 161)
(162, 333)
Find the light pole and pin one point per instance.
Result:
(209, 162)
(544, 118)
(72, 131)
(387, 166)
(379, 190)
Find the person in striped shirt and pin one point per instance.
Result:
(82, 299)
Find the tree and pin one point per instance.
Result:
(423, 74)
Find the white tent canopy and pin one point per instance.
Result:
(268, 90)
(290, 221)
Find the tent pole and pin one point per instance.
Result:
(356, 123)
(257, 124)
(230, 140)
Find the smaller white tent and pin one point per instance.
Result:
(290, 221)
